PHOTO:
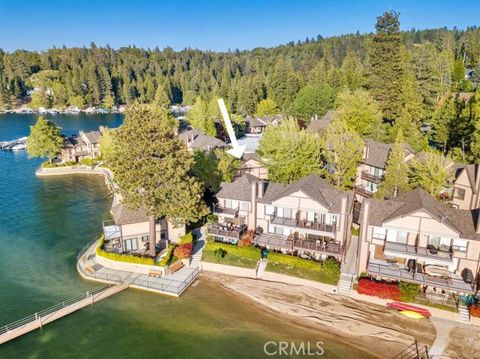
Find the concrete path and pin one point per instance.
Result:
(350, 259)
(443, 328)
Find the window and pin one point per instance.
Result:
(391, 235)
(287, 213)
(244, 206)
(228, 203)
(433, 242)
(131, 244)
(459, 193)
(144, 238)
(278, 230)
(310, 216)
(269, 210)
(459, 245)
(379, 233)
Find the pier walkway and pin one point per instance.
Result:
(48, 315)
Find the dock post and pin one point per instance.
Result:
(37, 317)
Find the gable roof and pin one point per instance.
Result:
(200, 141)
(461, 221)
(470, 170)
(314, 187)
(123, 215)
(321, 124)
(262, 121)
(93, 136)
(377, 153)
(240, 189)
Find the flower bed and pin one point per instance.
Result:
(379, 289)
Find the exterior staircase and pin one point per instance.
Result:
(464, 314)
(345, 284)
(262, 264)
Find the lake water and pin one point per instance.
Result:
(43, 225)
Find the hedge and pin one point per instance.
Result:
(167, 259)
(186, 238)
(119, 257)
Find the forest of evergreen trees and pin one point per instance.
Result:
(413, 77)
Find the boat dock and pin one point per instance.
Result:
(48, 315)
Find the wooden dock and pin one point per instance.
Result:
(39, 319)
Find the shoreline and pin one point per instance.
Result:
(368, 327)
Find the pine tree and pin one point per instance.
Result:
(152, 166)
(386, 66)
(396, 171)
(161, 97)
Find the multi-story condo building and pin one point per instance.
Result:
(308, 217)
(371, 170)
(252, 164)
(83, 145)
(465, 188)
(129, 231)
(416, 238)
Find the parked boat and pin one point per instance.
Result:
(408, 307)
(15, 145)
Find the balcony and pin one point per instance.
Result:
(403, 274)
(291, 245)
(363, 192)
(223, 211)
(410, 250)
(227, 230)
(303, 224)
(371, 178)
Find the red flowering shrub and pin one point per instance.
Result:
(475, 310)
(378, 289)
(246, 239)
(183, 250)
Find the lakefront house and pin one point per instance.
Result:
(129, 230)
(308, 217)
(196, 140)
(416, 238)
(371, 170)
(257, 125)
(81, 146)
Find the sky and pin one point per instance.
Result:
(210, 25)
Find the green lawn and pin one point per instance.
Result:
(315, 272)
(245, 257)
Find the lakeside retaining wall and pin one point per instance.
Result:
(129, 267)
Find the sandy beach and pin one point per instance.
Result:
(370, 327)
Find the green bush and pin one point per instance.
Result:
(87, 162)
(48, 164)
(168, 258)
(186, 238)
(219, 253)
(409, 291)
(212, 218)
(120, 257)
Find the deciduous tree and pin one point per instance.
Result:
(44, 139)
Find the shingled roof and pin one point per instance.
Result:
(313, 186)
(93, 136)
(461, 221)
(471, 171)
(123, 215)
(200, 141)
(378, 152)
(318, 125)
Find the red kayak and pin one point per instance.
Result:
(403, 306)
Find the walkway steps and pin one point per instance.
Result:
(262, 264)
(463, 313)
(345, 284)
(39, 319)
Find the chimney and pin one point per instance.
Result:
(252, 217)
(366, 152)
(261, 188)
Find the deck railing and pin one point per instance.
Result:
(455, 284)
(418, 251)
(224, 210)
(219, 230)
(303, 223)
(371, 177)
(50, 310)
(172, 286)
(363, 192)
